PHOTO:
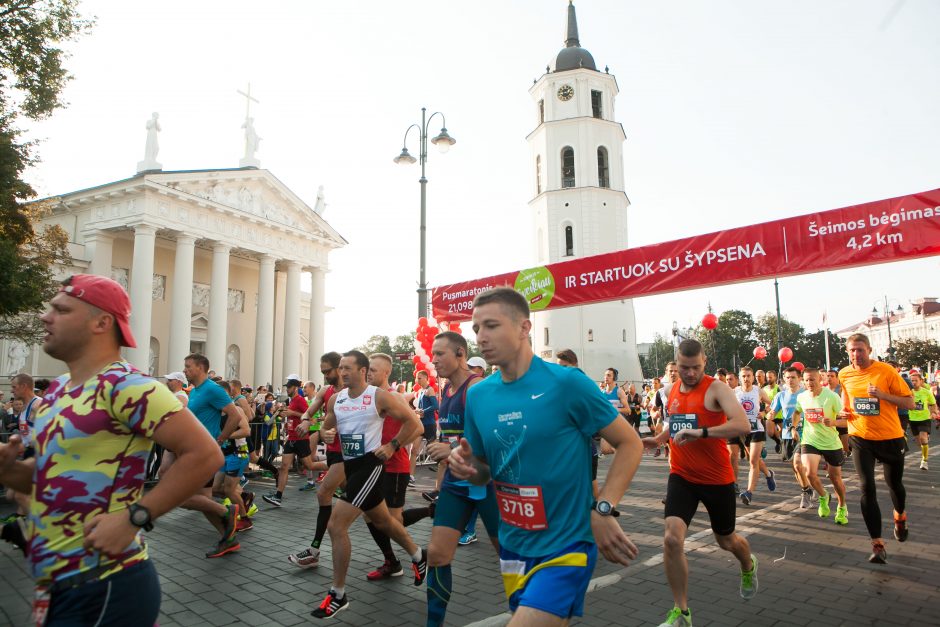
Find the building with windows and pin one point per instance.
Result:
(921, 320)
(579, 206)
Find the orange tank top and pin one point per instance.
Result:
(699, 461)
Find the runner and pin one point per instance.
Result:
(871, 393)
(427, 405)
(791, 428)
(820, 407)
(751, 397)
(355, 415)
(774, 421)
(459, 501)
(703, 414)
(832, 376)
(235, 451)
(925, 408)
(94, 428)
(515, 421)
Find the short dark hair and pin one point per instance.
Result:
(424, 372)
(858, 337)
(331, 358)
(792, 369)
(690, 348)
(747, 369)
(721, 372)
(505, 296)
(23, 379)
(41, 384)
(200, 360)
(455, 340)
(567, 355)
(616, 373)
(811, 370)
(361, 360)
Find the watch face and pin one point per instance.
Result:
(603, 507)
(565, 92)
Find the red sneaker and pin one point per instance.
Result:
(386, 571)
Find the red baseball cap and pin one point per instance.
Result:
(105, 294)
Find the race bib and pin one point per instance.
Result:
(453, 440)
(814, 415)
(919, 406)
(866, 406)
(41, 599)
(521, 506)
(678, 422)
(353, 444)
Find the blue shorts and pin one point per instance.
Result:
(554, 583)
(235, 465)
(455, 507)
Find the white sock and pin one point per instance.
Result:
(339, 592)
(416, 557)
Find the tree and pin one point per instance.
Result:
(811, 350)
(732, 341)
(661, 352)
(913, 351)
(765, 331)
(32, 76)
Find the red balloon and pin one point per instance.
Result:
(760, 352)
(798, 365)
(422, 322)
(455, 327)
(710, 321)
(785, 354)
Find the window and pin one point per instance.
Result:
(603, 176)
(596, 104)
(569, 241)
(538, 174)
(567, 166)
(546, 336)
(541, 111)
(590, 335)
(624, 335)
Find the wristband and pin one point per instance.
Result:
(704, 432)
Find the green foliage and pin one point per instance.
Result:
(911, 352)
(654, 362)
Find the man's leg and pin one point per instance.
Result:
(865, 468)
(343, 516)
(531, 617)
(674, 561)
(835, 475)
(334, 477)
(392, 528)
(811, 461)
(739, 547)
(754, 465)
(287, 460)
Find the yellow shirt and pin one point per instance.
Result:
(872, 419)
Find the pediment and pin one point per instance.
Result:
(199, 321)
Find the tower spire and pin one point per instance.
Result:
(571, 41)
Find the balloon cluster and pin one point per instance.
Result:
(424, 338)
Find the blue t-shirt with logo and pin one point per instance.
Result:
(206, 401)
(523, 428)
(785, 402)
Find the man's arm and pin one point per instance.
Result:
(394, 406)
(737, 424)
(624, 409)
(903, 402)
(611, 541)
(14, 474)
(243, 430)
(328, 428)
(232, 417)
(463, 464)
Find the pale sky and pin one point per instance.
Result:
(735, 113)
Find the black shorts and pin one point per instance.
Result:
(396, 485)
(905, 420)
(789, 448)
(842, 430)
(364, 481)
(594, 459)
(683, 497)
(755, 436)
(300, 448)
(333, 457)
(778, 421)
(430, 431)
(920, 426)
(833, 458)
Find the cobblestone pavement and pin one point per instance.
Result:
(812, 572)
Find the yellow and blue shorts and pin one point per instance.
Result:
(554, 583)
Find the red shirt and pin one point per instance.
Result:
(699, 461)
(298, 404)
(400, 462)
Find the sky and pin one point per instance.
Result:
(735, 112)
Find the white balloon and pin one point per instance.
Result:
(432, 322)
(425, 360)
(419, 350)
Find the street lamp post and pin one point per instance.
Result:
(887, 314)
(443, 141)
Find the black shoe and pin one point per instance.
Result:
(12, 532)
(777, 447)
(900, 529)
(431, 496)
(420, 568)
(331, 606)
(878, 553)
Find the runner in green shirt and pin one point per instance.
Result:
(820, 408)
(925, 407)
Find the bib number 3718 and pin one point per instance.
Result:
(678, 422)
(521, 506)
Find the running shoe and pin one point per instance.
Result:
(9, 518)
(749, 580)
(842, 515)
(320, 476)
(777, 446)
(13, 532)
(331, 606)
(308, 486)
(431, 496)
(771, 482)
(243, 481)
(272, 498)
(805, 500)
(675, 618)
(339, 493)
(248, 498)
(386, 571)
(900, 527)
(923, 464)
(657, 452)
(244, 525)
(467, 538)
(878, 553)
(252, 510)
(224, 547)
(230, 520)
(824, 506)
(420, 568)
(308, 558)
(746, 497)
(411, 480)
(737, 490)
(763, 453)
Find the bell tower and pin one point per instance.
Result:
(579, 206)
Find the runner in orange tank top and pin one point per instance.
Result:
(700, 471)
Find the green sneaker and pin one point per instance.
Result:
(824, 506)
(675, 618)
(749, 580)
(842, 515)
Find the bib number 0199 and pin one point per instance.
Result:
(678, 422)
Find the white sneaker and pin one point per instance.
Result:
(805, 500)
(923, 464)
(308, 558)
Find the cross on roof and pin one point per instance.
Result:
(248, 100)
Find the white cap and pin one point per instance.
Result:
(476, 362)
(294, 377)
(177, 376)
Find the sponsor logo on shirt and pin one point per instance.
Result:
(513, 415)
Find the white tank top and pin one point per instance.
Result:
(358, 423)
(750, 401)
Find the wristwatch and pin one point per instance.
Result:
(704, 432)
(395, 443)
(604, 508)
(140, 516)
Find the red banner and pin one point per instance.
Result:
(906, 227)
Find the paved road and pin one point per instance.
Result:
(812, 572)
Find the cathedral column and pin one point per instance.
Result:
(141, 293)
(315, 335)
(264, 328)
(181, 313)
(218, 308)
(98, 250)
(292, 320)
